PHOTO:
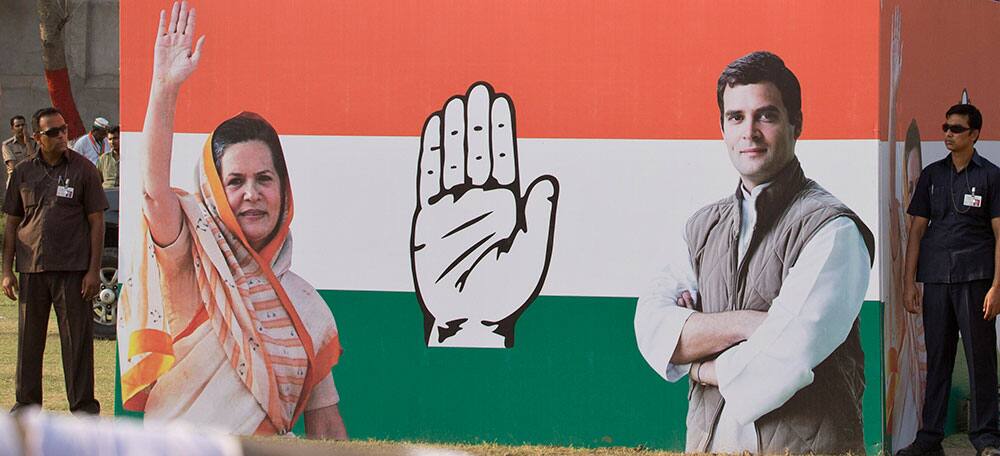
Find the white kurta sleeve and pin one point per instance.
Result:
(658, 319)
(812, 315)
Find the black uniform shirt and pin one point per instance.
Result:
(54, 234)
(959, 243)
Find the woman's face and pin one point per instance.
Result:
(253, 189)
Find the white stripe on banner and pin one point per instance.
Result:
(621, 207)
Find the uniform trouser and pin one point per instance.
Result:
(950, 309)
(37, 292)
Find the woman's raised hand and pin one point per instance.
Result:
(173, 58)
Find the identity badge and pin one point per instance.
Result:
(973, 200)
(64, 191)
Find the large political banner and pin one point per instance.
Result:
(516, 222)
(919, 82)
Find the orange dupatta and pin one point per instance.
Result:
(275, 359)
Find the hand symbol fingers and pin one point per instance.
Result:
(539, 216)
(454, 143)
(175, 13)
(429, 166)
(504, 151)
(477, 162)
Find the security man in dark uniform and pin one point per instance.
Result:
(55, 230)
(952, 250)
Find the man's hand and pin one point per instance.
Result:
(479, 249)
(173, 58)
(708, 334)
(91, 284)
(752, 320)
(10, 285)
(704, 373)
(991, 305)
(686, 301)
(912, 297)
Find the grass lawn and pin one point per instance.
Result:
(52, 374)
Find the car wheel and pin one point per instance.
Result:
(106, 301)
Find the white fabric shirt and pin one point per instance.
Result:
(811, 316)
(88, 147)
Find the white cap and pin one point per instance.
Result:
(102, 123)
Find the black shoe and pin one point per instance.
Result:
(916, 449)
(989, 451)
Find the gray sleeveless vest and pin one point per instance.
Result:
(825, 416)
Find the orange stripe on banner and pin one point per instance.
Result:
(601, 69)
(933, 74)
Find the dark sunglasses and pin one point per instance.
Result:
(956, 129)
(54, 132)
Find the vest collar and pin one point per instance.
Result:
(779, 193)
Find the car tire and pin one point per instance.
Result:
(106, 302)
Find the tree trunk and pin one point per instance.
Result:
(53, 15)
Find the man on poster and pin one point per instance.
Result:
(763, 315)
(952, 250)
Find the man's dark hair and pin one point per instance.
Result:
(17, 117)
(115, 129)
(44, 112)
(970, 111)
(762, 66)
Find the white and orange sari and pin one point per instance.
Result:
(212, 332)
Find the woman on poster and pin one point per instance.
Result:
(214, 327)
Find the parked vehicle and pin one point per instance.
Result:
(106, 301)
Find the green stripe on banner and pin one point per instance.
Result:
(574, 377)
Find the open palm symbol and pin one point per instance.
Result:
(479, 249)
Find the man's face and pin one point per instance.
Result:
(113, 138)
(963, 140)
(757, 131)
(100, 134)
(17, 127)
(48, 143)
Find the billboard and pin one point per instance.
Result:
(481, 193)
(919, 83)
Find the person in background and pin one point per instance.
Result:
(55, 231)
(19, 146)
(952, 249)
(107, 164)
(95, 143)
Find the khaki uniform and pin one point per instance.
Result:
(107, 165)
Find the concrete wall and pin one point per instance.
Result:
(92, 57)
